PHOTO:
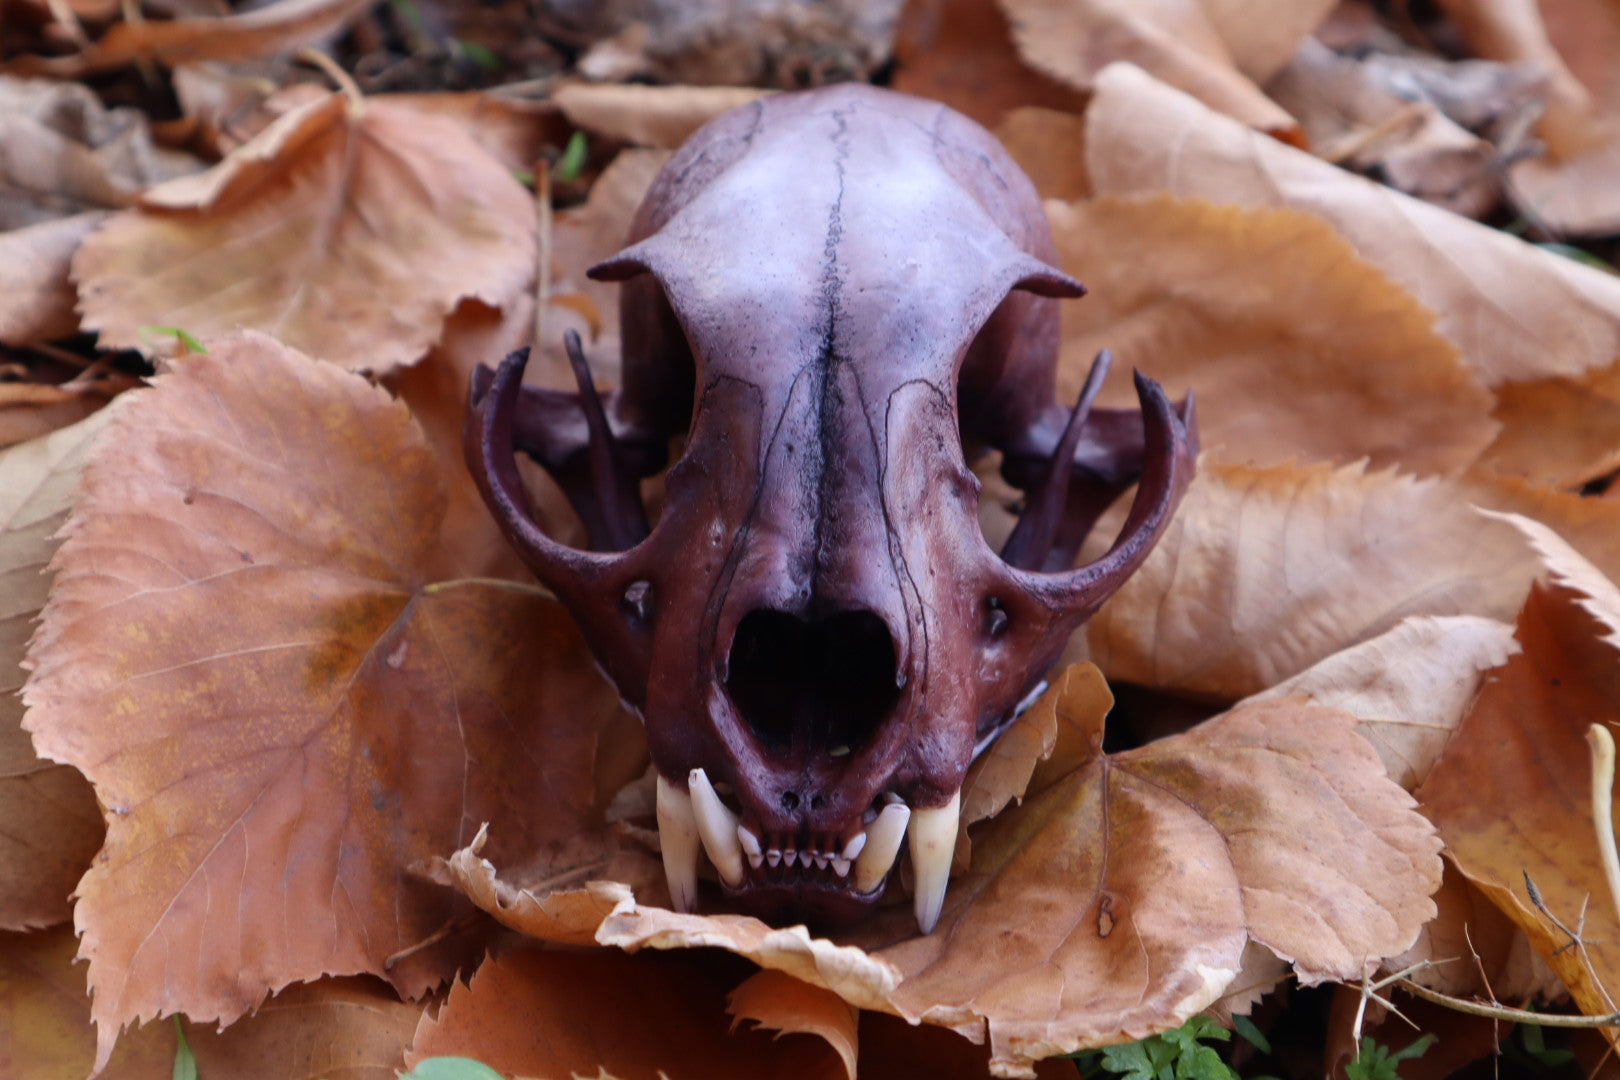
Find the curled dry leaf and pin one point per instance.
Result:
(1558, 432)
(1073, 41)
(301, 718)
(1473, 949)
(1512, 794)
(657, 116)
(264, 31)
(53, 826)
(350, 233)
(1293, 345)
(1265, 572)
(1409, 687)
(555, 1014)
(337, 1029)
(777, 1001)
(1514, 311)
(1262, 35)
(1118, 897)
(1599, 597)
(36, 295)
(1591, 526)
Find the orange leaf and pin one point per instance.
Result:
(1265, 572)
(556, 1014)
(781, 1003)
(1512, 793)
(349, 233)
(53, 826)
(656, 116)
(1294, 346)
(38, 297)
(301, 719)
(1514, 311)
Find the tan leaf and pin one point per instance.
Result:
(1474, 949)
(1265, 572)
(1409, 687)
(1511, 796)
(66, 153)
(302, 718)
(1590, 526)
(514, 131)
(1003, 773)
(39, 410)
(36, 294)
(53, 826)
(1514, 311)
(1263, 35)
(781, 1003)
(1293, 345)
(1558, 432)
(1049, 146)
(1174, 39)
(1599, 597)
(265, 31)
(960, 52)
(348, 233)
(657, 116)
(561, 1014)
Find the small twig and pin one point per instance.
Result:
(456, 923)
(334, 71)
(1504, 1012)
(1576, 936)
(493, 583)
(542, 210)
(1602, 747)
(62, 12)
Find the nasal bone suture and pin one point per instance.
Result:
(697, 819)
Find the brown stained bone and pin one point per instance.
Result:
(838, 296)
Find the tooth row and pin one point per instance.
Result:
(697, 817)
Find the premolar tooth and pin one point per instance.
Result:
(717, 826)
(883, 838)
(678, 837)
(932, 836)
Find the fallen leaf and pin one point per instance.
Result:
(960, 53)
(779, 1002)
(662, 117)
(558, 1014)
(1265, 572)
(1294, 346)
(1511, 796)
(337, 1029)
(277, 27)
(1174, 39)
(31, 411)
(1558, 432)
(1472, 949)
(351, 233)
(1514, 311)
(1598, 596)
(1261, 35)
(66, 153)
(1050, 147)
(1590, 526)
(1409, 687)
(242, 578)
(515, 131)
(53, 824)
(36, 295)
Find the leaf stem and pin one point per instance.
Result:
(334, 71)
(493, 583)
(1602, 746)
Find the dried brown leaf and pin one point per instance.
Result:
(1050, 147)
(517, 132)
(1174, 39)
(1512, 794)
(53, 826)
(1514, 311)
(1293, 345)
(1265, 572)
(560, 1014)
(349, 233)
(302, 719)
(1473, 949)
(1590, 526)
(657, 116)
(1599, 596)
(1263, 35)
(1558, 432)
(961, 52)
(36, 294)
(779, 1002)
(1409, 687)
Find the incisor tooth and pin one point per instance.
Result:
(883, 838)
(749, 842)
(774, 857)
(932, 836)
(840, 866)
(853, 848)
(678, 838)
(717, 826)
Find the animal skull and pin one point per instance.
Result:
(837, 296)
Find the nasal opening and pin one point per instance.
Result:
(818, 687)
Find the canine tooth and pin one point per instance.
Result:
(749, 842)
(773, 857)
(840, 866)
(717, 826)
(678, 837)
(932, 836)
(853, 848)
(883, 838)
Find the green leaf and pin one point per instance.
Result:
(1251, 1034)
(573, 157)
(1375, 1062)
(185, 1062)
(150, 334)
(452, 1068)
